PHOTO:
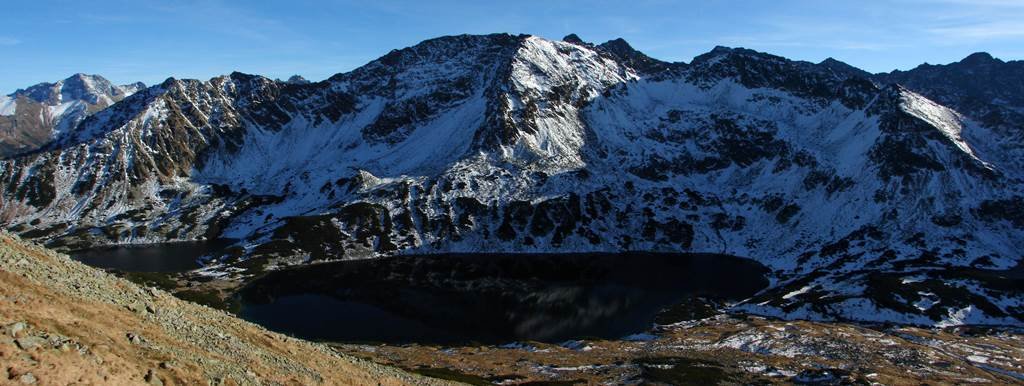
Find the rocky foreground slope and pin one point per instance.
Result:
(871, 197)
(62, 322)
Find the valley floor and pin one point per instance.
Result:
(732, 350)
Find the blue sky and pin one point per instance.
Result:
(147, 40)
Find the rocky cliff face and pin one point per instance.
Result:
(869, 200)
(984, 89)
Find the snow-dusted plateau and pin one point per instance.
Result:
(893, 197)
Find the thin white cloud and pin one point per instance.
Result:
(977, 22)
(228, 19)
(104, 19)
(989, 3)
(801, 32)
(8, 41)
(981, 31)
(787, 40)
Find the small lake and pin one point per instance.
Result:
(164, 257)
(492, 298)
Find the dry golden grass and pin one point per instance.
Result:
(66, 337)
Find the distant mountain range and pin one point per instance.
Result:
(31, 117)
(872, 197)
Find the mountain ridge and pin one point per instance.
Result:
(840, 183)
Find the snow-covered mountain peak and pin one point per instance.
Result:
(541, 65)
(49, 109)
(534, 108)
(91, 89)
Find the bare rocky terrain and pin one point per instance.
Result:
(62, 323)
(733, 350)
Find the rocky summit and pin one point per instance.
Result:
(871, 197)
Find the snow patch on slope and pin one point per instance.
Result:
(7, 105)
(947, 121)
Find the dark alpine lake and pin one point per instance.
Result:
(165, 257)
(493, 298)
(467, 298)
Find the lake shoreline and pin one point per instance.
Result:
(722, 346)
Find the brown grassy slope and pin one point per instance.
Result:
(64, 323)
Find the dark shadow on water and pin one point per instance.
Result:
(162, 257)
(491, 298)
